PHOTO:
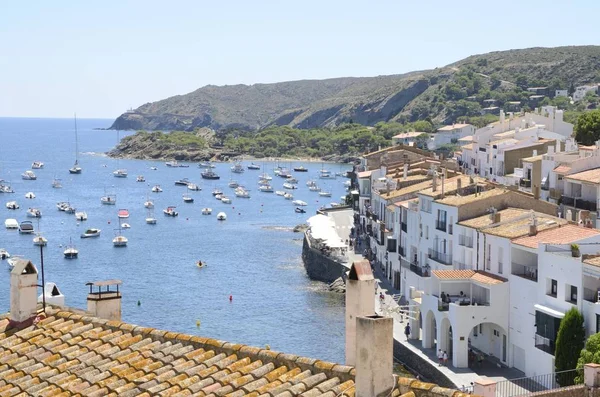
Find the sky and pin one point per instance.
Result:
(100, 58)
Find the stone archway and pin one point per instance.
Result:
(445, 336)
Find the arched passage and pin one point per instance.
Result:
(429, 331)
(445, 337)
(490, 339)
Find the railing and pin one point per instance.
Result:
(525, 183)
(441, 257)
(579, 203)
(544, 344)
(460, 265)
(537, 383)
(404, 263)
(465, 241)
(421, 271)
(440, 225)
(528, 272)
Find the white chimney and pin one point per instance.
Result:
(104, 302)
(557, 146)
(360, 286)
(374, 367)
(53, 295)
(23, 291)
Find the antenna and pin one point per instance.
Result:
(43, 278)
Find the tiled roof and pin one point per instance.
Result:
(457, 201)
(452, 127)
(593, 260)
(514, 223)
(478, 276)
(591, 176)
(566, 234)
(411, 134)
(407, 190)
(531, 159)
(468, 138)
(468, 146)
(450, 185)
(562, 169)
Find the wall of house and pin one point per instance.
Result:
(512, 158)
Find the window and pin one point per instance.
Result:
(553, 288)
(441, 220)
(481, 329)
(546, 331)
(597, 323)
(488, 257)
(475, 329)
(500, 256)
(573, 294)
(426, 232)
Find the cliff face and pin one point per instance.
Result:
(434, 94)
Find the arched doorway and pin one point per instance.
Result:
(492, 340)
(430, 331)
(445, 342)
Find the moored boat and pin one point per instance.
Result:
(299, 203)
(193, 186)
(92, 232)
(253, 166)
(221, 216)
(187, 198)
(81, 216)
(40, 240)
(301, 169)
(71, 252)
(266, 188)
(156, 189)
(29, 195)
(123, 213)
(11, 223)
(225, 199)
(170, 211)
(206, 211)
(34, 213)
(140, 178)
(28, 176)
(120, 173)
(12, 205)
(237, 168)
(36, 165)
(182, 182)
(209, 174)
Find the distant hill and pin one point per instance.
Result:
(442, 95)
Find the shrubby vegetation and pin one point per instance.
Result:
(569, 344)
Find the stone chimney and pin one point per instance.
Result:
(104, 302)
(359, 302)
(23, 291)
(434, 182)
(374, 346)
(53, 295)
(533, 225)
(497, 217)
(405, 174)
(458, 185)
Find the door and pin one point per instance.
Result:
(503, 348)
(518, 358)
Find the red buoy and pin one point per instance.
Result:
(230, 298)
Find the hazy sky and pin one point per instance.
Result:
(100, 58)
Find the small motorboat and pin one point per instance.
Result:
(288, 196)
(290, 186)
(140, 178)
(206, 165)
(170, 211)
(217, 192)
(311, 182)
(13, 260)
(12, 205)
(237, 168)
(301, 169)
(300, 210)
(183, 166)
(69, 209)
(291, 179)
(299, 203)
(56, 183)
(11, 223)
(150, 219)
(206, 211)
(76, 169)
(209, 174)
(36, 165)
(40, 241)
(71, 252)
(225, 199)
(173, 163)
(242, 193)
(4, 254)
(109, 199)
(156, 189)
(26, 227)
(28, 176)
(149, 204)
(314, 188)
(61, 205)
(120, 241)
(153, 168)
(280, 192)
(218, 196)
(123, 213)
(91, 233)
(233, 184)
(193, 186)
(200, 264)
(125, 226)
(5, 187)
(221, 216)
(120, 173)
(182, 182)
(266, 188)
(253, 166)
(81, 216)
(29, 195)
(187, 198)
(34, 213)
(325, 194)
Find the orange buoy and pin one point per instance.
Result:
(230, 298)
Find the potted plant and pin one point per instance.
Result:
(575, 250)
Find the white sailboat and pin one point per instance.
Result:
(76, 169)
(39, 240)
(150, 219)
(120, 240)
(108, 199)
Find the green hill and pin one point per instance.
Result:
(442, 95)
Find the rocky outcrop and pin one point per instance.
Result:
(146, 146)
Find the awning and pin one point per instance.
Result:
(548, 311)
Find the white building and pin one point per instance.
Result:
(564, 93)
(581, 91)
(407, 138)
(450, 134)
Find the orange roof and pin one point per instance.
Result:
(479, 276)
(591, 176)
(566, 234)
(452, 127)
(364, 174)
(562, 169)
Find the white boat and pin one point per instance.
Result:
(182, 182)
(289, 186)
(314, 188)
(76, 169)
(150, 219)
(29, 195)
(233, 184)
(193, 186)
(109, 199)
(140, 178)
(291, 179)
(125, 226)
(263, 182)
(81, 216)
(242, 193)
(123, 213)
(120, 241)
(12, 205)
(65, 206)
(56, 183)
(34, 213)
(120, 173)
(266, 188)
(253, 166)
(40, 241)
(288, 196)
(187, 198)
(28, 176)
(206, 211)
(300, 203)
(221, 216)
(347, 183)
(69, 209)
(173, 163)
(265, 176)
(157, 189)
(71, 252)
(92, 232)
(325, 194)
(225, 199)
(170, 211)
(36, 165)
(237, 168)
(5, 187)
(12, 261)
(149, 204)
(11, 223)
(216, 192)
(218, 196)
(280, 192)
(153, 168)
(26, 227)
(4, 254)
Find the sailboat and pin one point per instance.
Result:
(108, 199)
(76, 169)
(39, 240)
(119, 240)
(71, 252)
(150, 219)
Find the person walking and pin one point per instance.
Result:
(440, 356)
(445, 358)
(407, 331)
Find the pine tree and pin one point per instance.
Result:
(569, 343)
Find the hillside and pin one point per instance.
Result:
(442, 95)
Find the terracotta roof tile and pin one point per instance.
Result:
(590, 176)
(565, 234)
(479, 276)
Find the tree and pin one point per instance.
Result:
(587, 128)
(421, 141)
(590, 354)
(569, 343)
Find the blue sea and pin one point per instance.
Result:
(252, 256)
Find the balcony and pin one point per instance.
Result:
(526, 183)
(440, 257)
(465, 241)
(524, 271)
(418, 270)
(404, 227)
(404, 263)
(440, 225)
(544, 344)
(578, 203)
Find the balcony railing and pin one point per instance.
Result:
(404, 227)
(421, 271)
(527, 272)
(579, 203)
(544, 344)
(441, 257)
(461, 265)
(440, 225)
(465, 241)
(526, 183)
(405, 264)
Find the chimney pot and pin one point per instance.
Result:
(497, 217)
(532, 230)
(359, 302)
(104, 301)
(374, 346)
(434, 182)
(23, 291)
(53, 295)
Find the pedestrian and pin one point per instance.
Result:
(407, 331)
(440, 356)
(445, 358)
